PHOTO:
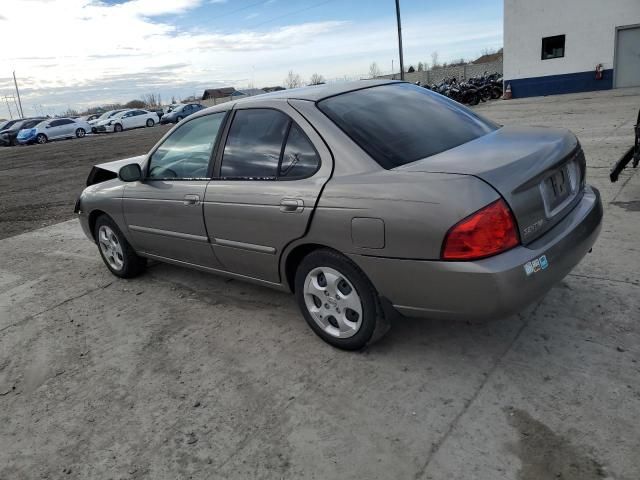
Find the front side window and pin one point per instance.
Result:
(254, 144)
(186, 153)
(553, 47)
(398, 124)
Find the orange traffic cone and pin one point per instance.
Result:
(507, 93)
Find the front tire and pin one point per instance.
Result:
(178, 119)
(117, 128)
(150, 122)
(41, 138)
(116, 252)
(80, 132)
(337, 299)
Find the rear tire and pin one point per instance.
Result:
(116, 252)
(150, 122)
(337, 300)
(80, 132)
(117, 128)
(41, 138)
(178, 119)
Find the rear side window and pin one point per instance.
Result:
(254, 144)
(401, 123)
(266, 144)
(300, 158)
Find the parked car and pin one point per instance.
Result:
(181, 112)
(53, 129)
(358, 198)
(9, 123)
(126, 120)
(103, 117)
(9, 136)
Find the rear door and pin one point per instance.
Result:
(164, 211)
(267, 179)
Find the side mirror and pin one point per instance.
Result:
(130, 173)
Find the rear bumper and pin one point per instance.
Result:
(491, 288)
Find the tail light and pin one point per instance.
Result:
(487, 232)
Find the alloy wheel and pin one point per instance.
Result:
(110, 247)
(333, 302)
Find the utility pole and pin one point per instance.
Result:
(18, 92)
(393, 74)
(400, 39)
(8, 107)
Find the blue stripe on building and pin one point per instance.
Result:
(558, 84)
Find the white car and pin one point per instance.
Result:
(54, 129)
(101, 118)
(127, 119)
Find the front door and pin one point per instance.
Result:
(164, 211)
(267, 181)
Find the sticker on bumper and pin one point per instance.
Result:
(535, 265)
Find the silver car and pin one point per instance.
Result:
(359, 198)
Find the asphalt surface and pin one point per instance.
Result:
(178, 374)
(39, 183)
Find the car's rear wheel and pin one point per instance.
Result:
(150, 122)
(80, 132)
(117, 128)
(94, 130)
(41, 138)
(178, 119)
(115, 250)
(337, 299)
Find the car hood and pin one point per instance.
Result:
(103, 172)
(117, 164)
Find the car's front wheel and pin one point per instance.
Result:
(41, 138)
(80, 132)
(117, 128)
(337, 299)
(150, 122)
(178, 119)
(115, 250)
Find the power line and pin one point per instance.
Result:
(292, 13)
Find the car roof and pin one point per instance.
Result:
(316, 93)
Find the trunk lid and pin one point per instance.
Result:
(539, 172)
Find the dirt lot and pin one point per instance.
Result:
(39, 183)
(179, 374)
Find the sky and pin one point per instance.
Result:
(81, 53)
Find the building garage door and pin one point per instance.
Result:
(628, 57)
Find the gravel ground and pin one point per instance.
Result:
(39, 183)
(179, 375)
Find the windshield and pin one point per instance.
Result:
(9, 124)
(400, 123)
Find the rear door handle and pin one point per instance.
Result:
(191, 199)
(291, 205)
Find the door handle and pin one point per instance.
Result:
(291, 205)
(191, 200)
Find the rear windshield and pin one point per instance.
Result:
(401, 123)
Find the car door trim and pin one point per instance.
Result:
(252, 247)
(168, 233)
(225, 273)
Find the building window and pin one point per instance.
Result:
(553, 47)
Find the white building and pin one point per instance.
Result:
(556, 46)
